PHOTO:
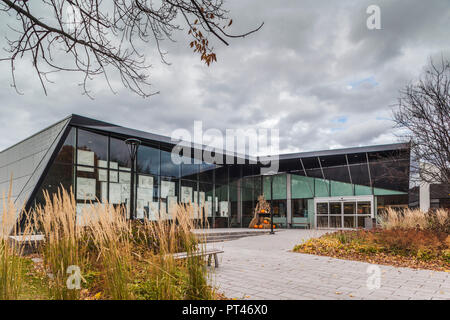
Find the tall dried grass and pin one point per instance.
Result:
(414, 218)
(130, 260)
(170, 278)
(63, 245)
(110, 233)
(11, 264)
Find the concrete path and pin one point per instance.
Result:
(261, 267)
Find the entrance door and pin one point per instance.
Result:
(343, 212)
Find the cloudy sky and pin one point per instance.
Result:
(314, 71)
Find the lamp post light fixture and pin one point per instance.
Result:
(133, 145)
(271, 205)
(271, 174)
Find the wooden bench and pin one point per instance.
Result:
(304, 224)
(209, 253)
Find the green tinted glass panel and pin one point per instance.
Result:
(385, 192)
(341, 188)
(248, 182)
(279, 187)
(362, 190)
(247, 194)
(311, 211)
(233, 191)
(266, 187)
(322, 188)
(222, 192)
(302, 187)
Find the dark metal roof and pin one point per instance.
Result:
(89, 123)
(332, 152)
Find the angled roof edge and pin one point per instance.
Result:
(35, 134)
(44, 162)
(332, 152)
(88, 123)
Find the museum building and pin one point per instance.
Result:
(324, 189)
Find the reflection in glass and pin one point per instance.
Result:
(322, 221)
(206, 172)
(96, 143)
(169, 196)
(335, 208)
(299, 208)
(335, 221)
(119, 153)
(361, 223)
(364, 207)
(66, 154)
(349, 221)
(349, 208)
(148, 160)
(59, 176)
(322, 208)
(188, 190)
(168, 167)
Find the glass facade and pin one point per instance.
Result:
(97, 166)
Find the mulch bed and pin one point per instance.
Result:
(389, 260)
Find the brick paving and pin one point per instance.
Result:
(262, 267)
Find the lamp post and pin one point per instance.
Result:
(271, 205)
(133, 145)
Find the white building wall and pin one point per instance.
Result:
(424, 196)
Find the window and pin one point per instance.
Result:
(66, 153)
(169, 196)
(92, 148)
(278, 183)
(302, 187)
(168, 167)
(299, 208)
(148, 160)
(120, 154)
(364, 207)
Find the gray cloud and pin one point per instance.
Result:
(293, 75)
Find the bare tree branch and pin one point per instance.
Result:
(424, 111)
(109, 37)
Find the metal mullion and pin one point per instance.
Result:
(368, 170)
(108, 172)
(75, 157)
(349, 173)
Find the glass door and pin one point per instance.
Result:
(322, 215)
(343, 212)
(335, 220)
(349, 216)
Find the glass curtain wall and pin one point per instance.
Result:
(279, 199)
(98, 168)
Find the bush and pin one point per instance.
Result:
(414, 244)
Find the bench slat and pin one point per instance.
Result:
(184, 255)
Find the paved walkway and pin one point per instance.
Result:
(261, 267)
